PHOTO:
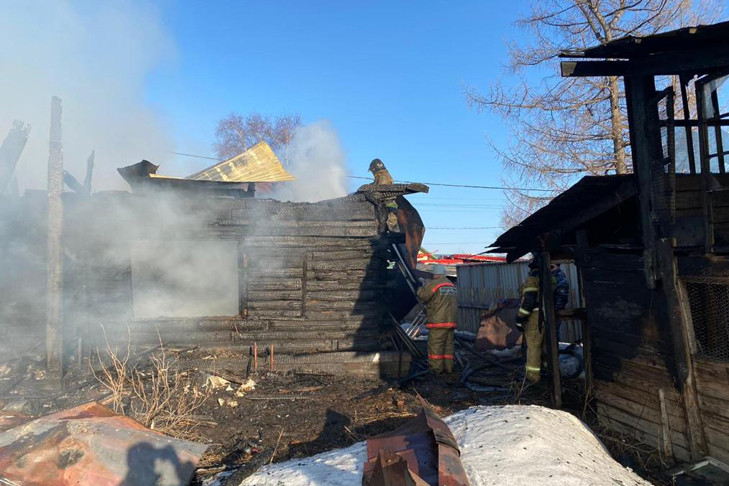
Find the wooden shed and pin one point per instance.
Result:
(653, 247)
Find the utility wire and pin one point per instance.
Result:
(497, 188)
(463, 228)
(196, 156)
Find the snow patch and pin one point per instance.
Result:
(510, 445)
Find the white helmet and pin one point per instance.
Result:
(438, 269)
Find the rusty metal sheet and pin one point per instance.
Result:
(91, 445)
(426, 444)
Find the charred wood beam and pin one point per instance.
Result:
(678, 316)
(646, 147)
(658, 65)
(10, 151)
(550, 324)
(89, 173)
(72, 182)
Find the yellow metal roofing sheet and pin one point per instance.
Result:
(257, 164)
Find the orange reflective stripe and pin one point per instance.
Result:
(440, 325)
(440, 356)
(442, 285)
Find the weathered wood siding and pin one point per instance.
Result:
(711, 367)
(689, 228)
(312, 277)
(712, 384)
(631, 359)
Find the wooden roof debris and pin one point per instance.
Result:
(10, 151)
(257, 164)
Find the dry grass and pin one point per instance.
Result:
(161, 398)
(114, 375)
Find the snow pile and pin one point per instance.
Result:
(512, 445)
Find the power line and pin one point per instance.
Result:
(468, 186)
(499, 188)
(463, 228)
(195, 156)
(456, 243)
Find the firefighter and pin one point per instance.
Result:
(383, 177)
(527, 320)
(441, 305)
(561, 292)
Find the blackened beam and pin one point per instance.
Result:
(663, 64)
(624, 192)
(10, 151)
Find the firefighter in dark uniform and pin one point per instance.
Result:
(383, 177)
(527, 320)
(441, 305)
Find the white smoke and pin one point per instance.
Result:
(96, 56)
(317, 160)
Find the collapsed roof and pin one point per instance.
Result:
(257, 164)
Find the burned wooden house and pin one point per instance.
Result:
(653, 246)
(203, 262)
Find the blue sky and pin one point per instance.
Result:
(389, 76)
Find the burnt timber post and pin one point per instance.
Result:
(550, 325)
(54, 287)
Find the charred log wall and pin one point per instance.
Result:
(311, 277)
(632, 359)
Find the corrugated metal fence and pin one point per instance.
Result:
(481, 285)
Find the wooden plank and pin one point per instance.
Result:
(274, 305)
(679, 323)
(279, 284)
(647, 398)
(54, 221)
(665, 425)
(716, 436)
(318, 305)
(716, 406)
(268, 313)
(646, 410)
(256, 274)
(343, 295)
(349, 284)
(646, 431)
(645, 144)
(550, 326)
(344, 255)
(681, 453)
(711, 385)
(342, 265)
(273, 295)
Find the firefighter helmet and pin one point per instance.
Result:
(376, 165)
(535, 261)
(438, 269)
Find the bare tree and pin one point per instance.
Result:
(235, 133)
(563, 128)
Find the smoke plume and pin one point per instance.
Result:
(317, 160)
(96, 56)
